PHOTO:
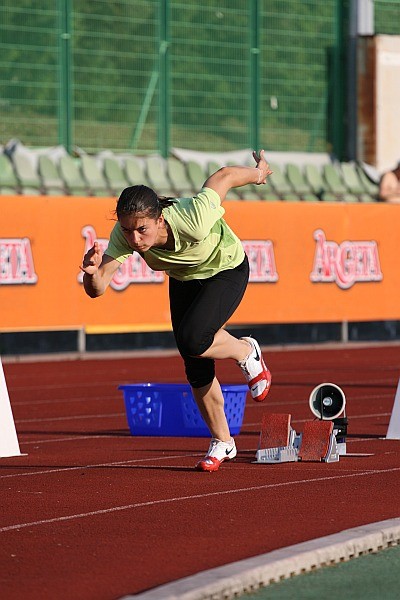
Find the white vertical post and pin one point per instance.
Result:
(344, 333)
(81, 340)
(9, 445)
(365, 17)
(393, 432)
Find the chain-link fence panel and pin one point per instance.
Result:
(149, 75)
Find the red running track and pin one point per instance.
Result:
(94, 513)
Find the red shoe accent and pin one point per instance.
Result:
(259, 377)
(205, 466)
(264, 375)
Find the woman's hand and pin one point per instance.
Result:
(263, 166)
(98, 271)
(92, 260)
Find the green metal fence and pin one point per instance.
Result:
(29, 71)
(387, 17)
(148, 75)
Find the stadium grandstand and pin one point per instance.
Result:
(195, 81)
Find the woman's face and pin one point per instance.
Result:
(142, 233)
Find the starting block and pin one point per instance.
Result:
(278, 441)
(322, 440)
(319, 442)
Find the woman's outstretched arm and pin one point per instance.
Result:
(229, 177)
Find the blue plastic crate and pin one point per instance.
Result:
(169, 409)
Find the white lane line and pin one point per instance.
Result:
(96, 466)
(70, 418)
(112, 464)
(369, 416)
(86, 437)
(120, 414)
(311, 419)
(114, 509)
(66, 400)
(64, 386)
(75, 438)
(290, 377)
(287, 403)
(107, 437)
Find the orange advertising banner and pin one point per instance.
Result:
(310, 262)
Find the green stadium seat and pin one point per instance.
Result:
(370, 186)
(299, 183)
(27, 175)
(329, 197)
(72, 177)
(156, 168)
(114, 175)
(134, 172)
(336, 185)
(197, 174)
(281, 185)
(179, 178)
(353, 182)
(95, 179)
(269, 196)
(310, 198)
(52, 183)
(8, 180)
(212, 167)
(5, 191)
(251, 191)
(314, 177)
(247, 194)
(233, 194)
(291, 197)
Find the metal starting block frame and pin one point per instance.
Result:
(289, 453)
(341, 446)
(333, 452)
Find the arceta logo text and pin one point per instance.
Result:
(16, 262)
(261, 260)
(345, 264)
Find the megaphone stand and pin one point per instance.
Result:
(340, 431)
(327, 402)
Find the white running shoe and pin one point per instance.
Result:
(256, 372)
(217, 453)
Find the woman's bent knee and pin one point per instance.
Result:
(190, 344)
(199, 371)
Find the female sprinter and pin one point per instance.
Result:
(208, 275)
